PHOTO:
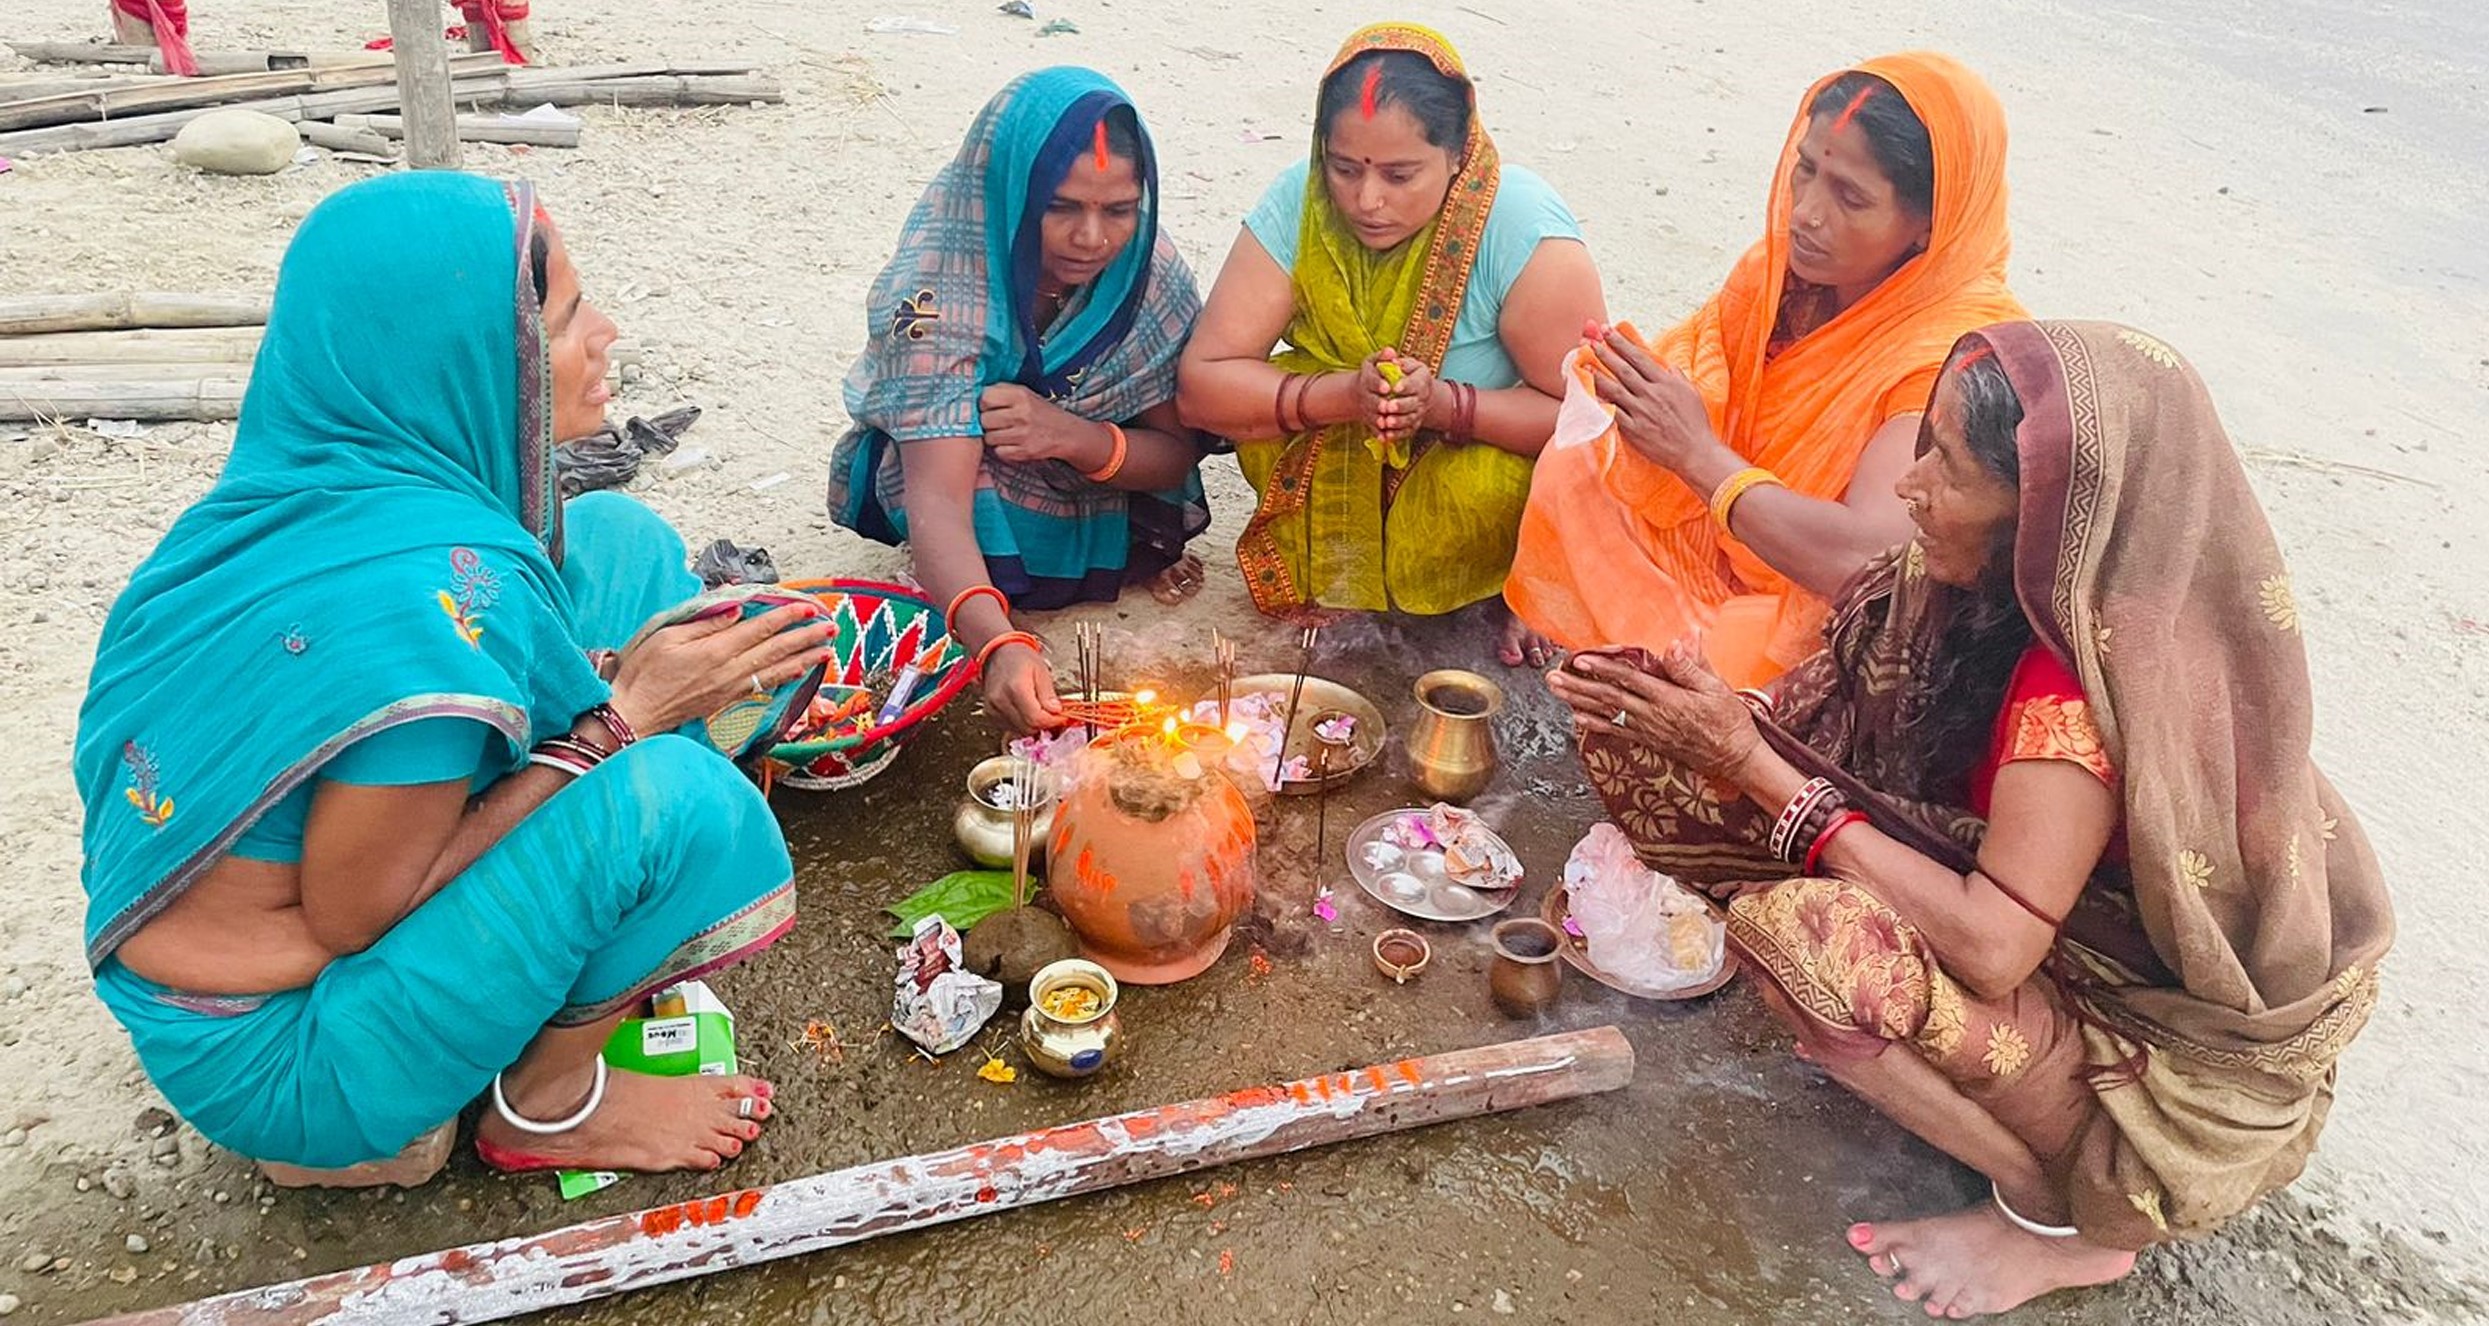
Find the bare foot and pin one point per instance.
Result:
(1178, 582)
(1518, 644)
(647, 1125)
(1975, 1262)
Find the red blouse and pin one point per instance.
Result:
(2044, 717)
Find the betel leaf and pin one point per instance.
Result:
(963, 897)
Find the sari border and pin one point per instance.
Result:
(539, 493)
(508, 719)
(746, 932)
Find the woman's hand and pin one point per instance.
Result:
(1022, 426)
(1686, 713)
(1019, 691)
(692, 670)
(1394, 410)
(1658, 413)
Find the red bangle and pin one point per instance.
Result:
(950, 615)
(1008, 638)
(1304, 388)
(1114, 464)
(615, 725)
(1279, 403)
(1823, 840)
(1464, 413)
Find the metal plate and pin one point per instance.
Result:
(1322, 696)
(1576, 951)
(1429, 899)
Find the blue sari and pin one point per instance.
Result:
(385, 546)
(954, 313)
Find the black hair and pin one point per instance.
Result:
(539, 264)
(1988, 631)
(1436, 100)
(1123, 135)
(1895, 136)
(1991, 415)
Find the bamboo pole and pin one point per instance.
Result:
(520, 87)
(339, 138)
(201, 345)
(493, 1281)
(82, 52)
(162, 401)
(210, 62)
(475, 129)
(188, 93)
(26, 89)
(424, 84)
(25, 315)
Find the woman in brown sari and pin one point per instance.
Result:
(2071, 903)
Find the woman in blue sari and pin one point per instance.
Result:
(1014, 407)
(367, 833)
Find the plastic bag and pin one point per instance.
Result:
(609, 457)
(726, 562)
(1641, 927)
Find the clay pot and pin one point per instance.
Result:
(1073, 1046)
(1152, 870)
(1525, 977)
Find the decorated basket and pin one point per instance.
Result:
(878, 630)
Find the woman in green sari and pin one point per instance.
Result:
(1426, 295)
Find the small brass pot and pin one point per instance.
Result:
(1070, 1047)
(984, 829)
(1452, 743)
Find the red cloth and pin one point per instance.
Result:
(171, 21)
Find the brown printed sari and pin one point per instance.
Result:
(2182, 1039)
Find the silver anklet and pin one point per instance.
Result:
(2026, 1224)
(596, 1097)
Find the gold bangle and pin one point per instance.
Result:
(1724, 498)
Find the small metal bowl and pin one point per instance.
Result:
(1401, 955)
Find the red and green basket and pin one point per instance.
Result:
(877, 628)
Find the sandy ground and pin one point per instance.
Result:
(2228, 188)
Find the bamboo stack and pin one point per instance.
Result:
(150, 357)
(354, 92)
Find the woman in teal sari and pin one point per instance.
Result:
(367, 833)
(1014, 407)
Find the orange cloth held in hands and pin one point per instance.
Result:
(1616, 550)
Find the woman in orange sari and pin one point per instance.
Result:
(1729, 478)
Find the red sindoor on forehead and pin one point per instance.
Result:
(1100, 140)
(1850, 112)
(1973, 356)
(1373, 81)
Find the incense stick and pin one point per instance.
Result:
(1305, 640)
(1023, 826)
(1223, 650)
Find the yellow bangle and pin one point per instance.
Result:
(1724, 498)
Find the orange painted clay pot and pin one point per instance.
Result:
(1150, 873)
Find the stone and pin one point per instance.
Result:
(35, 1263)
(166, 1146)
(137, 1244)
(1503, 1304)
(13, 987)
(8, 1304)
(13, 1137)
(153, 1121)
(237, 142)
(117, 1182)
(122, 1275)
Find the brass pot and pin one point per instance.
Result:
(1070, 1046)
(1524, 977)
(984, 829)
(1452, 743)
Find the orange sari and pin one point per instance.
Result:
(1616, 550)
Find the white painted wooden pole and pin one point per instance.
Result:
(618, 1254)
(423, 84)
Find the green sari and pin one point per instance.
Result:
(1347, 520)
